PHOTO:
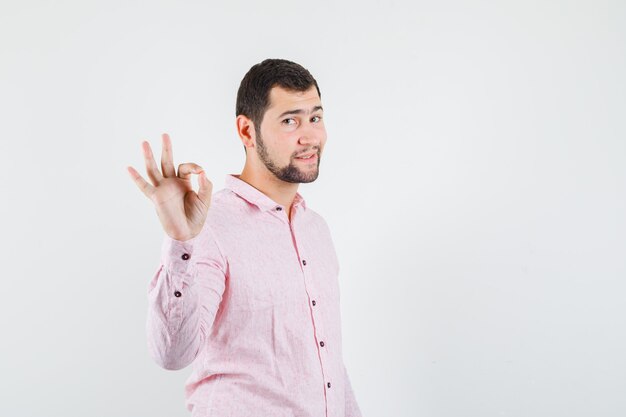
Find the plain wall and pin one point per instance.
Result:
(473, 180)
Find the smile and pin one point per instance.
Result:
(311, 158)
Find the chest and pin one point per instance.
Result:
(273, 263)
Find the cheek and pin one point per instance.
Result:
(323, 135)
(286, 150)
(323, 142)
(279, 145)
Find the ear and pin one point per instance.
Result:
(245, 130)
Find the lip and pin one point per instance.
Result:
(311, 159)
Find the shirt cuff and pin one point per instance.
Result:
(178, 256)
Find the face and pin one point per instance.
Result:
(292, 127)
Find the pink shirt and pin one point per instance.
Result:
(253, 303)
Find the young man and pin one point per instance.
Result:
(247, 288)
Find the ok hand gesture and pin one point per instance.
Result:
(181, 211)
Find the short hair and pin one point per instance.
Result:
(254, 90)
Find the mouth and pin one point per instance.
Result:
(308, 158)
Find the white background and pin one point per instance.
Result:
(473, 179)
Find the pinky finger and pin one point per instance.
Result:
(143, 185)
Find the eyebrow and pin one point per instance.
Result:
(299, 111)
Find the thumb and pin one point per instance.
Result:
(204, 192)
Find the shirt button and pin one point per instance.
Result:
(177, 293)
(278, 208)
(313, 302)
(322, 344)
(185, 256)
(303, 262)
(328, 385)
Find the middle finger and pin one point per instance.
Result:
(167, 162)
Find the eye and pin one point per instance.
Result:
(318, 118)
(284, 121)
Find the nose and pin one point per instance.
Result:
(311, 136)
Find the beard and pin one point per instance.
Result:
(289, 173)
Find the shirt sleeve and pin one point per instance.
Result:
(183, 298)
(352, 408)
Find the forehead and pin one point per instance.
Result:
(281, 99)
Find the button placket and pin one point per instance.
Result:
(315, 316)
(322, 346)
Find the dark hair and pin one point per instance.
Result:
(254, 90)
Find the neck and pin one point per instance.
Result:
(263, 180)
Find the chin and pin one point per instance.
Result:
(311, 179)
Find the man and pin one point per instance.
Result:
(248, 289)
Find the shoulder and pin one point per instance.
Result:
(315, 216)
(221, 217)
(316, 220)
(225, 206)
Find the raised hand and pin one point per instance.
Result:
(181, 211)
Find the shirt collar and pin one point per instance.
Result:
(256, 197)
